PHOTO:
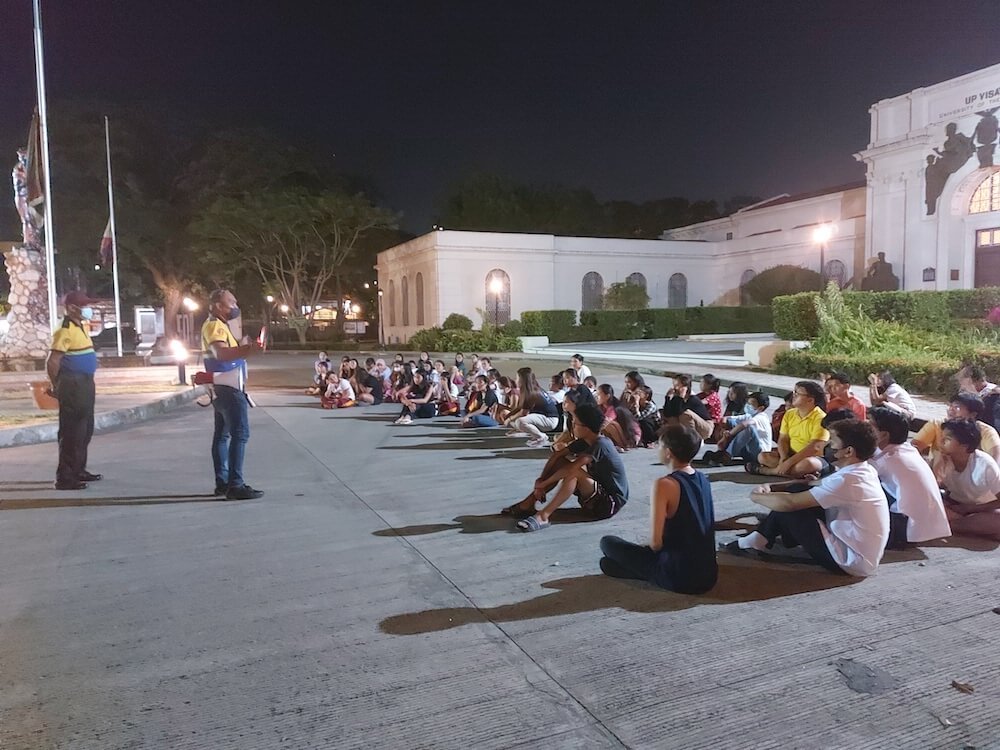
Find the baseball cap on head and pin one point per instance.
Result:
(78, 299)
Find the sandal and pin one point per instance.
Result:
(752, 467)
(532, 523)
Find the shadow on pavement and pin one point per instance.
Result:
(971, 543)
(482, 524)
(737, 584)
(738, 477)
(531, 453)
(79, 501)
(476, 443)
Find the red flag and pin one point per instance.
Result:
(36, 172)
(106, 245)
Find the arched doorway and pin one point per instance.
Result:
(986, 199)
(677, 291)
(836, 271)
(497, 307)
(636, 279)
(420, 299)
(593, 291)
(406, 302)
(392, 303)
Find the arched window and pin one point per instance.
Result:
(987, 195)
(745, 278)
(677, 291)
(836, 271)
(497, 307)
(636, 279)
(420, 299)
(593, 291)
(392, 303)
(406, 302)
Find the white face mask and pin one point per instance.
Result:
(87, 313)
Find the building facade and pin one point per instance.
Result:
(927, 215)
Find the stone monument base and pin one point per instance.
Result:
(28, 336)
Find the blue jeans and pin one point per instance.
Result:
(483, 420)
(745, 445)
(232, 431)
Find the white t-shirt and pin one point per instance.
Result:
(583, 372)
(906, 476)
(759, 422)
(558, 396)
(895, 394)
(978, 484)
(857, 518)
(340, 390)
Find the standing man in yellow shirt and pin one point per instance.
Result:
(71, 365)
(225, 358)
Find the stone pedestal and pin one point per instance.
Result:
(29, 335)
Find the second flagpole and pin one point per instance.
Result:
(114, 237)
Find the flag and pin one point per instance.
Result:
(106, 245)
(35, 174)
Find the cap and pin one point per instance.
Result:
(78, 298)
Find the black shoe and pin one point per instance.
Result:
(71, 485)
(88, 477)
(246, 492)
(220, 490)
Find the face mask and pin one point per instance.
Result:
(234, 312)
(87, 313)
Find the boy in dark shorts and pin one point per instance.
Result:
(591, 469)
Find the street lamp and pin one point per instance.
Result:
(190, 305)
(822, 235)
(381, 327)
(496, 289)
(284, 309)
(180, 354)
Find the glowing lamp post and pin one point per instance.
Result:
(822, 235)
(180, 354)
(381, 327)
(496, 289)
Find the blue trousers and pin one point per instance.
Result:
(483, 420)
(232, 432)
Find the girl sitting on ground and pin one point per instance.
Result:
(538, 413)
(319, 379)
(417, 403)
(884, 391)
(509, 396)
(606, 400)
(646, 414)
(339, 393)
(737, 401)
(970, 479)
(680, 555)
(709, 395)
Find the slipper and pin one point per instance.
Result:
(517, 511)
(752, 467)
(531, 523)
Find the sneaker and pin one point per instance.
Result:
(403, 420)
(538, 443)
(220, 490)
(246, 492)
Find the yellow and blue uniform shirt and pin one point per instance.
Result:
(74, 342)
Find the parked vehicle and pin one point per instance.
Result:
(107, 340)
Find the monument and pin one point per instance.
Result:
(28, 336)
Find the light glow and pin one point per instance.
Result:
(822, 234)
(178, 350)
(190, 305)
(496, 285)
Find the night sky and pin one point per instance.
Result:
(634, 100)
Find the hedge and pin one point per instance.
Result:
(656, 323)
(795, 314)
(440, 340)
(931, 376)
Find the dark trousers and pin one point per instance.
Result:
(232, 432)
(627, 560)
(423, 411)
(75, 392)
(800, 528)
(897, 526)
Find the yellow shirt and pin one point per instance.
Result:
(214, 330)
(931, 435)
(803, 430)
(74, 342)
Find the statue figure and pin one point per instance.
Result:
(31, 220)
(880, 277)
(956, 150)
(986, 136)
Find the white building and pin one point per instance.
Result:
(930, 203)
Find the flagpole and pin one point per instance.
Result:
(43, 120)
(114, 236)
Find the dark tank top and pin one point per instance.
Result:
(686, 562)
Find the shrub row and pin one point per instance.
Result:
(656, 323)
(795, 314)
(932, 376)
(440, 340)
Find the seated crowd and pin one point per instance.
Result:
(852, 482)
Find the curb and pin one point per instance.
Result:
(103, 421)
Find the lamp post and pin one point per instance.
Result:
(381, 328)
(822, 235)
(496, 289)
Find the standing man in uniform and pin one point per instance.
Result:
(71, 365)
(225, 358)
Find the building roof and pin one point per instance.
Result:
(785, 198)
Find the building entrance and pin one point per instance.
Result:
(988, 257)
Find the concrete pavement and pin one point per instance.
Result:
(373, 599)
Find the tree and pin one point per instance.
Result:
(297, 241)
(778, 280)
(624, 296)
